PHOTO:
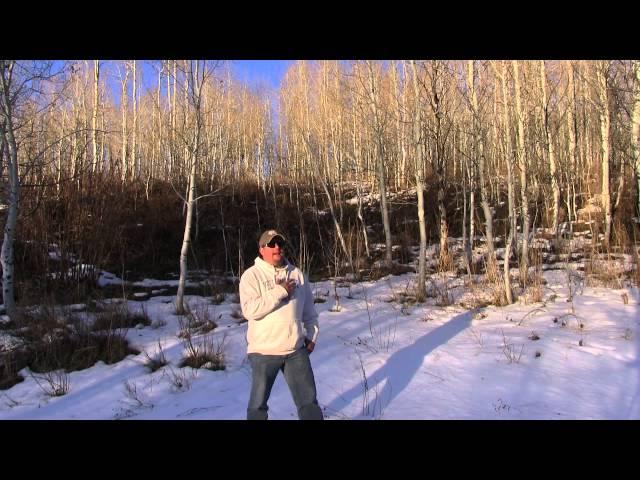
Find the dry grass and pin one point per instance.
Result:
(136, 397)
(534, 292)
(157, 360)
(55, 339)
(445, 261)
(236, 314)
(55, 383)
(9, 375)
(117, 315)
(604, 272)
(197, 321)
(205, 352)
(180, 379)
(510, 351)
(494, 283)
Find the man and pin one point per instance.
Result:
(277, 302)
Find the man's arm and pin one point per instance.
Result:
(256, 306)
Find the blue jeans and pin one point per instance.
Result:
(299, 376)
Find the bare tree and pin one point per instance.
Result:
(522, 165)
(479, 157)
(197, 73)
(8, 99)
(602, 74)
(418, 142)
(572, 146)
(94, 116)
(20, 82)
(549, 147)
(501, 73)
(437, 89)
(123, 108)
(378, 135)
(635, 130)
(134, 141)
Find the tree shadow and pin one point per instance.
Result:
(400, 368)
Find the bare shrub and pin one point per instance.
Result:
(534, 290)
(158, 323)
(117, 315)
(203, 319)
(157, 360)
(56, 340)
(445, 261)
(197, 320)
(180, 380)
(55, 383)
(636, 265)
(382, 337)
(236, 314)
(217, 298)
(493, 283)
(370, 407)
(575, 284)
(531, 312)
(135, 396)
(444, 298)
(94, 306)
(380, 270)
(477, 336)
(10, 402)
(204, 353)
(33, 324)
(510, 351)
(604, 272)
(477, 295)
(9, 375)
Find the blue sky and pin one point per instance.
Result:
(258, 74)
(261, 72)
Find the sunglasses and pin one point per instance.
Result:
(274, 242)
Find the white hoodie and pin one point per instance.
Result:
(275, 319)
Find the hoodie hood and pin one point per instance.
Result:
(286, 265)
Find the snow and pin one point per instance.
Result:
(566, 357)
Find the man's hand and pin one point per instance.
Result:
(289, 285)
(309, 344)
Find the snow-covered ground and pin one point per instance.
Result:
(379, 357)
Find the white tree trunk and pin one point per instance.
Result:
(420, 186)
(123, 105)
(186, 239)
(510, 183)
(603, 114)
(550, 149)
(522, 164)
(94, 117)
(356, 161)
(134, 141)
(571, 128)
(380, 154)
(60, 150)
(13, 197)
(478, 144)
(635, 130)
(194, 77)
